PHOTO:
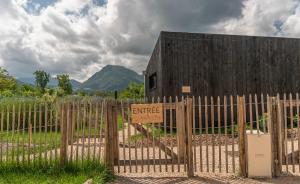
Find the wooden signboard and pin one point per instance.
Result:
(147, 113)
(186, 89)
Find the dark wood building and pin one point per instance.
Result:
(218, 65)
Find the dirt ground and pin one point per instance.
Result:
(199, 178)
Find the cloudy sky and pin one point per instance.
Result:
(79, 37)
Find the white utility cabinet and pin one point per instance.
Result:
(259, 154)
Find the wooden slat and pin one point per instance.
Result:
(2, 133)
(177, 114)
(129, 135)
(18, 131)
(45, 132)
(219, 134)
(23, 133)
(285, 135)
(40, 133)
(232, 132)
(206, 132)
(165, 134)
(185, 133)
(263, 113)
(89, 129)
(34, 133)
(96, 128)
(292, 134)
(200, 132)
(135, 151)
(13, 133)
(256, 114)
(7, 131)
(298, 131)
(153, 144)
(83, 132)
(51, 136)
(171, 132)
(77, 130)
(29, 133)
(194, 135)
(251, 113)
(213, 132)
(101, 127)
(159, 138)
(226, 138)
(123, 135)
(72, 127)
(56, 131)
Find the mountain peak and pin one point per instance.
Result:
(112, 77)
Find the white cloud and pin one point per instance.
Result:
(80, 38)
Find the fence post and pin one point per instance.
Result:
(180, 128)
(111, 155)
(188, 138)
(276, 137)
(242, 136)
(63, 134)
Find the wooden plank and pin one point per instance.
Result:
(56, 133)
(200, 132)
(7, 130)
(263, 113)
(232, 133)
(171, 132)
(292, 130)
(213, 132)
(45, 132)
(123, 135)
(275, 131)
(165, 133)
(226, 138)
(184, 136)
(34, 133)
(135, 151)
(90, 107)
(29, 133)
(194, 135)
(63, 135)
(96, 128)
(18, 130)
(84, 120)
(51, 136)
(189, 138)
(285, 135)
(103, 104)
(77, 130)
(13, 133)
(2, 132)
(251, 113)
(72, 127)
(40, 133)
(206, 132)
(242, 137)
(153, 144)
(219, 134)
(177, 128)
(257, 114)
(298, 130)
(23, 133)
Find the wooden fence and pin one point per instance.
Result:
(198, 134)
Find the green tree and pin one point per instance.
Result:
(7, 82)
(41, 79)
(64, 83)
(133, 91)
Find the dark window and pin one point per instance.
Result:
(153, 81)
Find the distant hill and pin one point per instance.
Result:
(112, 77)
(52, 82)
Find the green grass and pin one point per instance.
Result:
(39, 174)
